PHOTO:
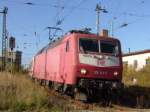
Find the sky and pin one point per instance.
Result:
(27, 21)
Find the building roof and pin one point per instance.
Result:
(137, 53)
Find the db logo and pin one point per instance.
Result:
(101, 62)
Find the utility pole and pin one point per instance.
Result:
(98, 10)
(4, 39)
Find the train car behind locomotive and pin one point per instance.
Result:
(80, 62)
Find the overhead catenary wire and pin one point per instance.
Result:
(58, 13)
(32, 4)
(61, 19)
(137, 17)
(125, 24)
(59, 22)
(40, 4)
(118, 14)
(72, 9)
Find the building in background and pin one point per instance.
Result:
(137, 59)
(13, 57)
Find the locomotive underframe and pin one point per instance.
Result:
(98, 83)
(93, 89)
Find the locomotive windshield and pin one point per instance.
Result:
(99, 46)
(90, 45)
(109, 47)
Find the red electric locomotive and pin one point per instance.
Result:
(80, 62)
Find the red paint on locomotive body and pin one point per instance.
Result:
(65, 60)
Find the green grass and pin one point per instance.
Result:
(18, 93)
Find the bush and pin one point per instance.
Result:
(142, 76)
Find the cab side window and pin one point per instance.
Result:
(67, 46)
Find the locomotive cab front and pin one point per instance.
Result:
(99, 62)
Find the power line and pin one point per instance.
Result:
(125, 24)
(32, 4)
(57, 16)
(59, 22)
(41, 4)
(29, 3)
(71, 11)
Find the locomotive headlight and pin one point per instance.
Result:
(100, 56)
(83, 71)
(116, 73)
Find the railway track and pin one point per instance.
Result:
(67, 104)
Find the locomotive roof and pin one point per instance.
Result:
(58, 40)
(50, 45)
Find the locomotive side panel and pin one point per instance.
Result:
(39, 66)
(60, 65)
(36, 66)
(70, 61)
(52, 66)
